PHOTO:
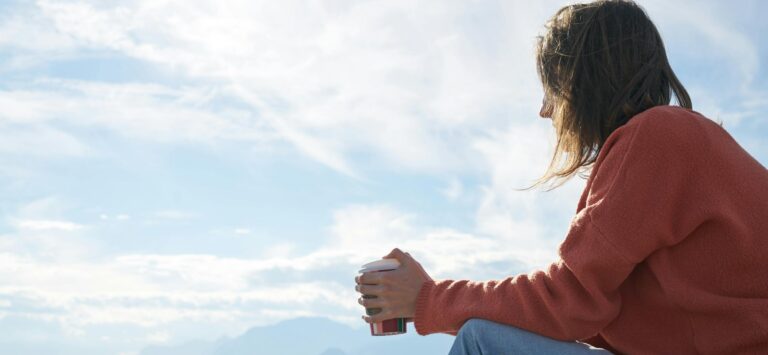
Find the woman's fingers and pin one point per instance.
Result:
(398, 254)
(371, 278)
(371, 290)
(397, 290)
(385, 314)
(372, 302)
(406, 261)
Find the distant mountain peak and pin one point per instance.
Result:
(309, 336)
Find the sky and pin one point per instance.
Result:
(173, 171)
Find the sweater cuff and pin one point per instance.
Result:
(420, 319)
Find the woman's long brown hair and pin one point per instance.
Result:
(600, 63)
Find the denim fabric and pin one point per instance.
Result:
(480, 336)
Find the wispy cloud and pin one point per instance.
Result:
(454, 189)
(117, 217)
(337, 82)
(173, 214)
(151, 291)
(41, 225)
(719, 46)
(242, 231)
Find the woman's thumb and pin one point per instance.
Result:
(399, 255)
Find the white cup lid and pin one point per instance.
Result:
(378, 265)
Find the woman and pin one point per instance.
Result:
(668, 251)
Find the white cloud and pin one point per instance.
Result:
(363, 233)
(50, 273)
(369, 229)
(704, 21)
(726, 84)
(173, 214)
(42, 225)
(144, 111)
(158, 338)
(339, 80)
(152, 291)
(454, 189)
(31, 39)
(242, 231)
(117, 217)
(40, 141)
(50, 207)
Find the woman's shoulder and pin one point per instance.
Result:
(667, 127)
(663, 135)
(673, 119)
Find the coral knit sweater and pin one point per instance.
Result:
(667, 254)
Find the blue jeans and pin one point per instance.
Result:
(483, 337)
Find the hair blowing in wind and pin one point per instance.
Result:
(600, 64)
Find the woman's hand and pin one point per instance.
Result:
(396, 291)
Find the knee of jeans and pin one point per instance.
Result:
(472, 327)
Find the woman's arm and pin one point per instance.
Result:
(645, 193)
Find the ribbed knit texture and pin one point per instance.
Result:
(667, 254)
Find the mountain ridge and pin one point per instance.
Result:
(309, 336)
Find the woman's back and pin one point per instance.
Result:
(706, 282)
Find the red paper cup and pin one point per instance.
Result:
(390, 326)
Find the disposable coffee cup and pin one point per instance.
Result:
(390, 326)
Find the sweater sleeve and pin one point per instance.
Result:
(638, 200)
